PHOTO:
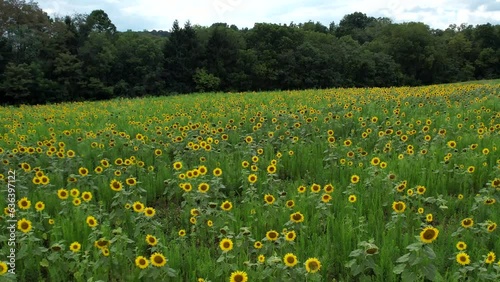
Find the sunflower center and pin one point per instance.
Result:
(290, 260)
(429, 234)
(313, 265)
(24, 225)
(238, 278)
(158, 259)
(463, 258)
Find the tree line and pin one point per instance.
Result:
(84, 57)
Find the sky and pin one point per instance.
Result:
(138, 15)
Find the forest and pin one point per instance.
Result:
(81, 57)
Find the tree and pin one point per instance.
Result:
(182, 57)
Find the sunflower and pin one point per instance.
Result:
(151, 240)
(399, 207)
(297, 217)
(87, 196)
(74, 192)
(182, 233)
(290, 204)
(44, 180)
(490, 258)
(491, 226)
(202, 170)
(489, 201)
(421, 190)
(452, 144)
(26, 167)
(467, 222)
(131, 181)
(192, 220)
(328, 188)
(257, 244)
(141, 262)
(248, 139)
(272, 235)
(315, 188)
(24, 203)
(158, 260)
(62, 194)
(75, 247)
(463, 258)
(3, 268)
(354, 179)
(301, 189)
(460, 196)
(271, 169)
(290, 260)
(83, 171)
(290, 236)
(149, 212)
(375, 161)
(352, 198)
(104, 163)
(461, 246)
(138, 206)
(326, 198)
(238, 276)
(269, 199)
(98, 169)
(226, 245)
(187, 187)
(226, 206)
(77, 201)
(429, 217)
(495, 183)
(217, 172)
(24, 225)
(312, 265)
(105, 252)
(261, 258)
(429, 234)
(101, 243)
(252, 178)
(91, 221)
(116, 185)
(177, 165)
(203, 187)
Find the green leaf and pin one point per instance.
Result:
(429, 252)
(430, 272)
(408, 276)
(44, 263)
(415, 246)
(399, 268)
(404, 258)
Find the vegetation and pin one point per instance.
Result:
(83, 57)
(378, 184)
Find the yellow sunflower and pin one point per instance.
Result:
(290, 260)
(238, 276)
(158, 259)
(312, 265)
(429, 234)
(226, 245)
(141, 262)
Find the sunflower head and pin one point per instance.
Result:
(429, 234)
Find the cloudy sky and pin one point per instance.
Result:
(140, 15)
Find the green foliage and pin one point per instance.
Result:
(70, 56)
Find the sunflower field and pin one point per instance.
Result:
(379, 184)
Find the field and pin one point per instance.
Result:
(382, 184)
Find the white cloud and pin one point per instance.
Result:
(159, 14)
